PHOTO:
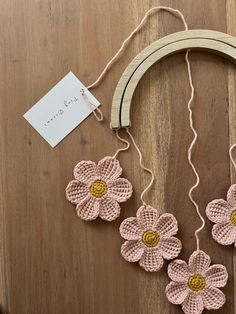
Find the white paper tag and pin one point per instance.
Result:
(62, 109)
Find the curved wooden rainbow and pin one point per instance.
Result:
(216, 42)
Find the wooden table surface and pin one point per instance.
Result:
(51, 262)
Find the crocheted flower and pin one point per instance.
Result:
(223, 214)
(150, 238)
(195, 285)
(97, 189)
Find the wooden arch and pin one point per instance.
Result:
(213, 41)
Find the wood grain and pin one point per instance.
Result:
(50, 261)
(208, 40)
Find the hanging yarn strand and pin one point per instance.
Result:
(122, 140)
(142, 166)
(96, 111)
(103, 73)
(191, 148)
(230, 155)
(128, 39)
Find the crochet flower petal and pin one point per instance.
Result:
(76, 191)
(217, 276)
(224, 234)
(151, 260)
(147, 217)
(109, 168)
(170, 247)
(218, 211)
(167, 225)
(88, 209)
(213, 298)
(231, 195)
(178, 271)
(120, 189)
(109, 209)
(193, 304)
(84, 171)
(177, 292)
(130, 230)
(199, 262)
(132, 250)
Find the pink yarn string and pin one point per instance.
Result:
(128, 39)
(230, 155)
(122, 140)
(94, 109)
(108, 66)
(142, 166)
(190, 151)
(125, 43)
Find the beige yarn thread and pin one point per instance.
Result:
(230, 155)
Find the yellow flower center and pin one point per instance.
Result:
(233, 218)
(196, 282)
(150, 238)
(98, 188)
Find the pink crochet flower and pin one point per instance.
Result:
(223, 214)
(97, 189)
(150, 238)
(195, 285)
